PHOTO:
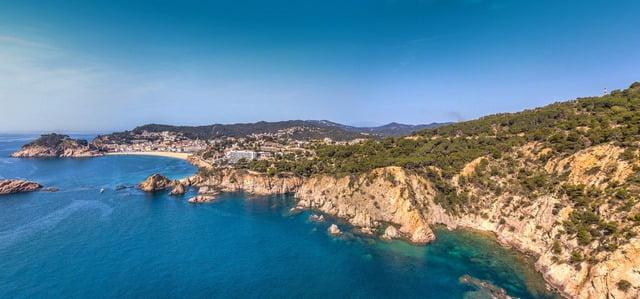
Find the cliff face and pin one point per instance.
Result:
(17, 186)
(229, 180)
(385, 197)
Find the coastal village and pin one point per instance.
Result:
(223, 151)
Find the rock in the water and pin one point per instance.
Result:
(367, 230)
(120, 187)
(334, 230)
(201, 199)
(16, 186)
(483, 289)
(422, 235)
(205, 194)
(316, 218)
(156, 182)
(391, 233)
(51, 189)
(177, 190)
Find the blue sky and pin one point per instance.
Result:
(112, 65)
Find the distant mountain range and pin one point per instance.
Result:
(300, 129)
(390, 129)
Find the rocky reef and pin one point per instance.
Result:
(18, 186)
(56, 145)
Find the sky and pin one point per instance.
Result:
(113, 65)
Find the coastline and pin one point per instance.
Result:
(182, 156)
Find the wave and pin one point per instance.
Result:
(8, 238)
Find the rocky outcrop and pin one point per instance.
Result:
(334, 230)
(386, 195)
(179, 189)
(483, 289)
(56, 145)
(391, 233)
(156, 182)
(18, 186)
(316, 218)
(205, 194)
(201, 199)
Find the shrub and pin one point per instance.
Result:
(623, 285)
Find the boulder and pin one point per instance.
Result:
(391, 233)
(17, 186)
(334, 230)
(201, 199)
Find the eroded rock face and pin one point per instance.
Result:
(18, 186)
(228, 180)
(388, 195)
(156, 182)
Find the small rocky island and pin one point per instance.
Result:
(18, 186)
(56, 145)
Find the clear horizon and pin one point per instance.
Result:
(77, 66)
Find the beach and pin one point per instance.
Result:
(182, 156)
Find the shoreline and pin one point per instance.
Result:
(181, 156)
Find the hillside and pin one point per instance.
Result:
(294, 129)
(561, 182)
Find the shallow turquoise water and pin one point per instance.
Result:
(79, 242)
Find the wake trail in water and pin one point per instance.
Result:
(8, 238)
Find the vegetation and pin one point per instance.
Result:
(623, 285)
(55, 140)
(563, 127)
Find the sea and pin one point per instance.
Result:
(80, 242)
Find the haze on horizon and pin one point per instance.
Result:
(113, 65)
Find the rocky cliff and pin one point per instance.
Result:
(386, 197)
(17, 186)
(229, 180)
(493, 195)
(56, 145)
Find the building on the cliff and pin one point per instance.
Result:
(235, 156)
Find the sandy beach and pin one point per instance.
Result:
(182, 156)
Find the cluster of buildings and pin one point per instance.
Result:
(225, 150)
(151, 141)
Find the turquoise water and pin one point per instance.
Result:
(79, 242)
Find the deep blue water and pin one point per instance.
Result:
(79, 242)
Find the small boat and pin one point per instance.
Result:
(101, 190)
